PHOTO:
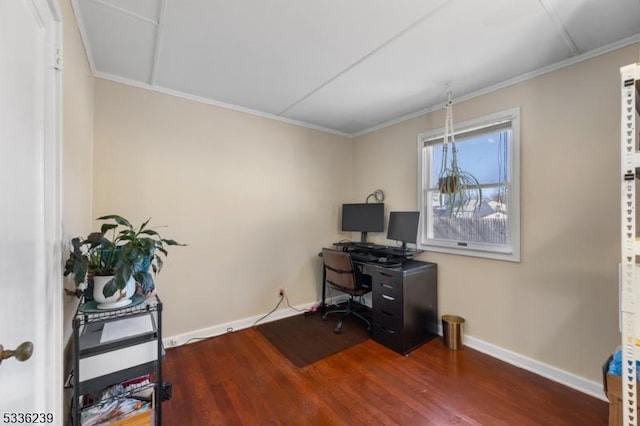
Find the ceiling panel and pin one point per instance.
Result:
(143, 8)
(346, 66)
(497, 39)
(595, 23)
(120, 44)
(266, 55)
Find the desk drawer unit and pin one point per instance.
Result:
(387, 281)
(404, 305)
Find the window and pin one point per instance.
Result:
(488, 224)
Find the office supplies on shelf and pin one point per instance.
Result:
(125, 327)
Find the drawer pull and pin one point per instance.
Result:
(386, 274)
(384, 296)
(389, 286)
(386, 313)
(387, 330)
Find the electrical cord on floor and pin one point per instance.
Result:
(230, 329)
(195, 339)
(286, 299)
(270, 312)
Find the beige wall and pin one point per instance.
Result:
(254, 198)
(559, 305)
(77, 142)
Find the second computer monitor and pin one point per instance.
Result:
(403, 226)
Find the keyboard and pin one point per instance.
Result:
(369, 246)
(363, 257)
(345, 244)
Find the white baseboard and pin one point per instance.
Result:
(589, 387)
(230, 327)
(571, 380)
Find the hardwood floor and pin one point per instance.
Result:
(241, 379)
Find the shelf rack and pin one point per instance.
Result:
(98, 364)
(630, 244)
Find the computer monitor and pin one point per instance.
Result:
(403, 226)
(363, 218)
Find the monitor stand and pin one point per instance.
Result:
(404, 249)
(363, 237)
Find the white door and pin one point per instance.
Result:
(30, 246)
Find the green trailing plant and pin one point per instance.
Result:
(121, 250)
(458, 188)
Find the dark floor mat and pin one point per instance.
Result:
(305, 339)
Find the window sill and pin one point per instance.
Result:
(466, 251)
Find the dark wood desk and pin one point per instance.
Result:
(404, 303)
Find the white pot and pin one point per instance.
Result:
(119, 299)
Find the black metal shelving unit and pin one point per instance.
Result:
(134, 350)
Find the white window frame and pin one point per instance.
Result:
(508, 252)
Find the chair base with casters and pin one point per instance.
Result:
(340, 274)
(351, 309)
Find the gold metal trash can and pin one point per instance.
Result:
(452, 331)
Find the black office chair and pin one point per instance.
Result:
(341, 275)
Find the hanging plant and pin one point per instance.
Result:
(458, 188)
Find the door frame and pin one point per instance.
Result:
(50, 369)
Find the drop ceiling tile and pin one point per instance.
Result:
(267, 55)
(145, 8)
(468, 45)
(345, 65)
(596, 23)
(121, 45)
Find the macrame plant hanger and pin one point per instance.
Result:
(460, 191)
(446, 184)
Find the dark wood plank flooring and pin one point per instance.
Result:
(241, 379)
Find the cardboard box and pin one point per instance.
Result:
(613, 390)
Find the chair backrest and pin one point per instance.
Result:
(339, 269)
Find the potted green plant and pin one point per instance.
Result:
(458, 188)
(122, 253)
